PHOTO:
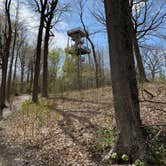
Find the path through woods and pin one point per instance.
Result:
(8, 154)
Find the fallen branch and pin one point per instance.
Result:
(149, 93)
(154, 102)
(153, 125)
(161, 110)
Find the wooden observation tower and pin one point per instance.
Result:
(77, 48)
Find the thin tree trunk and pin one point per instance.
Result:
(46, 44)
(130, 139)
(22, 79)
(14, 74)
(5, 58)
(28, 74)
(96, 62)
(37, 61)
(153, 74)
(31, 79)
(93, 52)
(10, 68)
(45, 64)
(141, 70)
(12, 54)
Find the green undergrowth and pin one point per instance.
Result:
(156, 147)
(156, 155)
(33, 121)
(104, 140)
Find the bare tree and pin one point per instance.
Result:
(127, 112)
(13, 51)
(23, 56)
(154, 60)
(51, 10)
(5, 56)
(144, 24)
(19, 45)
(41, 8)
(88, 36)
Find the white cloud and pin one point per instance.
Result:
(31, 21)
(59, 41)
(138, 6)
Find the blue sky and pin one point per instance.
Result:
(71, 20)
(31, 20)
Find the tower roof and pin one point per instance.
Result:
(76, 32)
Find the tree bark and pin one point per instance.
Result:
(130, 139)
(28, 74)
(45, 63)
(31, 77)
(46, 44)
(153, 74)
(5, 57)
(22, 79)
(37, 60)
(96, 62)
(141, 70)
(10, 67)
(15, 72)
(93, 51)
(12, 54)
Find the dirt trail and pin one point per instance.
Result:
(8, 154)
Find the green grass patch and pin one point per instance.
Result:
(157, 149)
(105, 138)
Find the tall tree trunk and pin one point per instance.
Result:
(14, 73)
(37, 61)
(12, 54)
(153, 73)
(31, 78)
(10, 67)
(22, 79)
(45, 63)
(130, 139)
(46, 44)
(3, 84)
(28, 74)
(5, 57)
(141, 70)
(96, 62)
(93, 52)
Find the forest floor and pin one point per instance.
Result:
(8, 153)
(71, 129)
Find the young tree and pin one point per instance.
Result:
(130, 139)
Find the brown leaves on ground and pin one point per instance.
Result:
(72, 133)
